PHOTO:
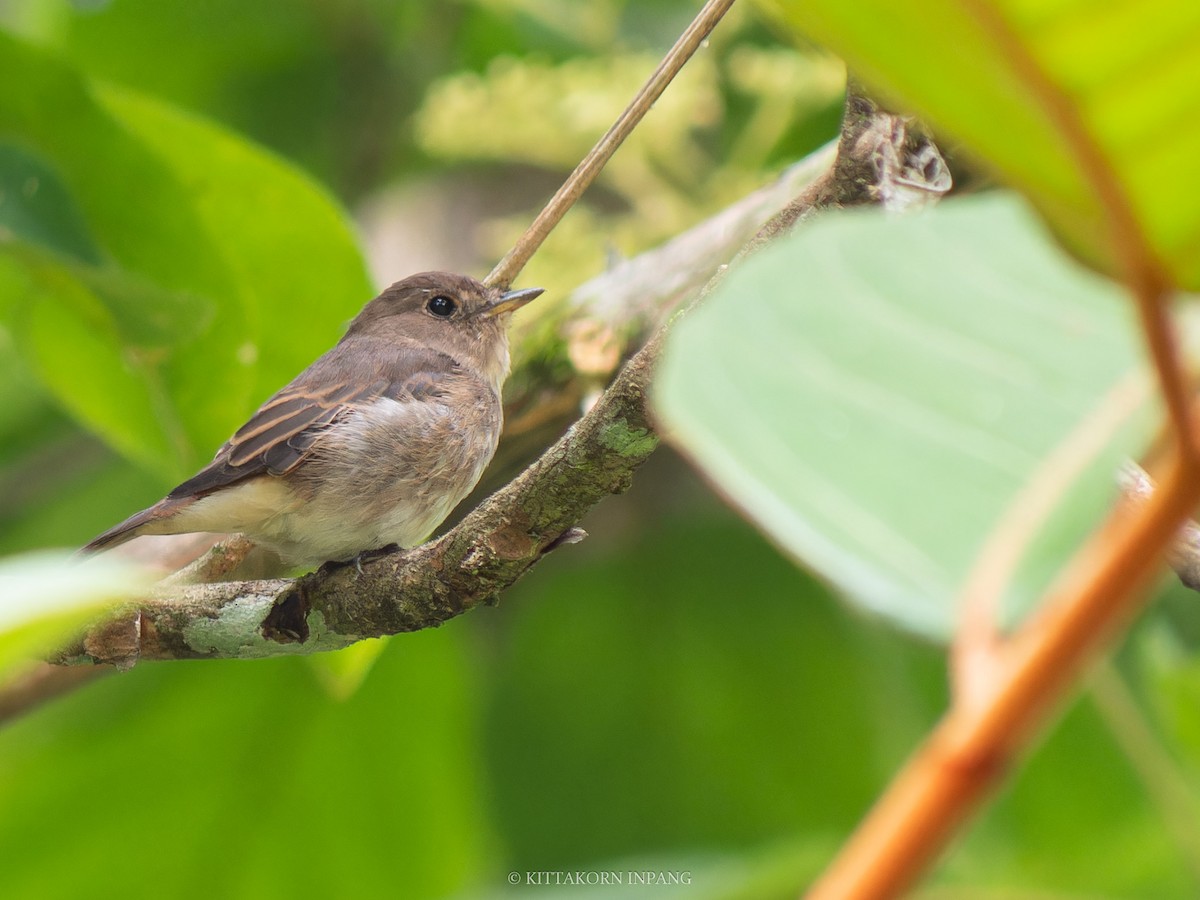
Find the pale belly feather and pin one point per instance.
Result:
(387, 474)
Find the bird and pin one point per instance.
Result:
(372, 445)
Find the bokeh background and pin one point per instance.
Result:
(671, 696)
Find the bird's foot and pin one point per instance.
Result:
(333, 565)
(366, 556)
(371, 555)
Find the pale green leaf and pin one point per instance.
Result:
(875, 391)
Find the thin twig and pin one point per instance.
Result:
(585, 173)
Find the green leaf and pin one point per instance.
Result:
(290, 249)
(36, 207)
(197, 271)
(1072, 103)
(238, 779)
(875, 391)
(73, 345)
(46, 596)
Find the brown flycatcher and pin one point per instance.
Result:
(373, 444)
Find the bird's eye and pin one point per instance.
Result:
(442, 307)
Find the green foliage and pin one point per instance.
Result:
(876, 393)
(249, 779)
(670, 696)
(638, 704)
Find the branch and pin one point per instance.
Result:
(421, 588)
(609, 317)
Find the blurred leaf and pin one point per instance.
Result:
(237, 779)
(222, 271)
(24, 405)
(690, 690)
(1070, 102)
(579, 99)
(36, 207)
(875, 391)
(45, 597)
(66, 492)
(648, 191)
(289, 247)
(329, 85)
(71, 343)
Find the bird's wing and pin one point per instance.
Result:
(284, 429)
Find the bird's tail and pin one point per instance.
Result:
(136, 525)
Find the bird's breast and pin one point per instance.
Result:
(391, 471)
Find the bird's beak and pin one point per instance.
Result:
(510, 301)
